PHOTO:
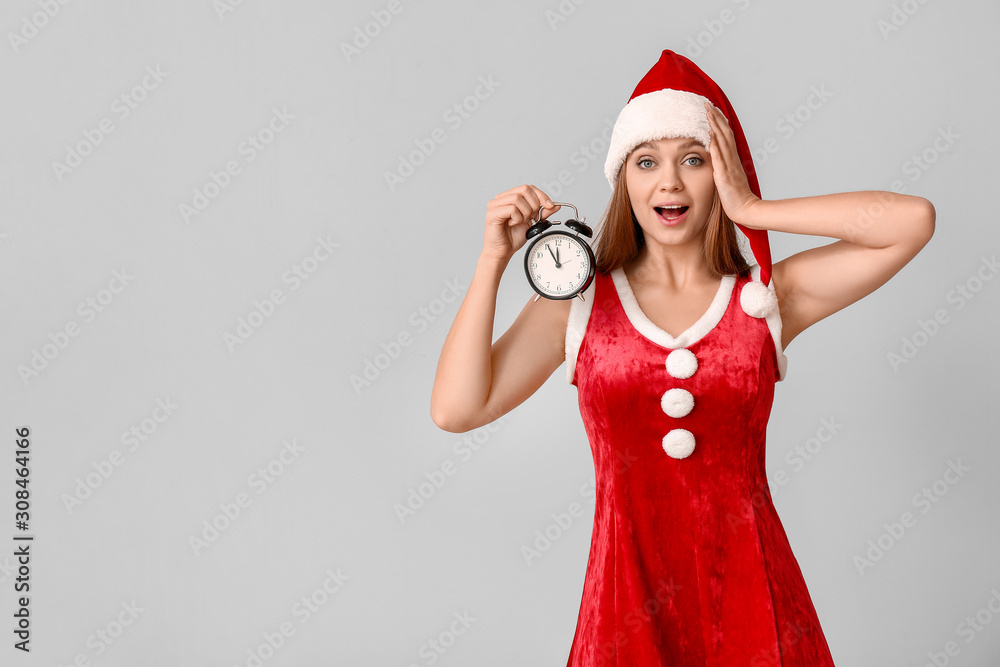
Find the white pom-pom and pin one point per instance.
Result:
(757, 300)
(677, 402)
(682, 363)
(679, 443)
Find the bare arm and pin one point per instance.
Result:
(477, 381)
(879, 233)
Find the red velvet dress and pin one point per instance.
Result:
(689, 563)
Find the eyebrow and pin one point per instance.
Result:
(686, 145)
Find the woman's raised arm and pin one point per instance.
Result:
(477, 382)
(879, 233)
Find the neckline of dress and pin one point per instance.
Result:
(691, 335)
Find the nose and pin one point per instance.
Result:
(670, 178)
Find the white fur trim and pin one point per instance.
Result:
(661, 114)
(773, 319)
(682, 363)
(679, 443)
(654, 333)
(757, 300)
(576, 327)
(677, 402)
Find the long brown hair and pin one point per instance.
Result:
(620, 237)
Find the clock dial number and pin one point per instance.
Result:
(547, 266)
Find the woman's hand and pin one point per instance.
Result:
(730, 178)
(508, 216)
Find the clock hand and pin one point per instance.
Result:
(554, 256)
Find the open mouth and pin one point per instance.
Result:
(671, 213)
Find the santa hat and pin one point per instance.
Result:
(669, 102)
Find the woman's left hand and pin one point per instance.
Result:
(730, 178)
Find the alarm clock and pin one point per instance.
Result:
(559, 265)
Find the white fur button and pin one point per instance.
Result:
(757, 300)
(682, 363)
(679, 443)
(677, 402)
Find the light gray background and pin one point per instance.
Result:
(333, 508)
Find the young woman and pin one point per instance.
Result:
(674, 352)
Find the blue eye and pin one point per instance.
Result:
(645, 159)
(695, 157)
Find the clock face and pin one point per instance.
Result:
(558, 265)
